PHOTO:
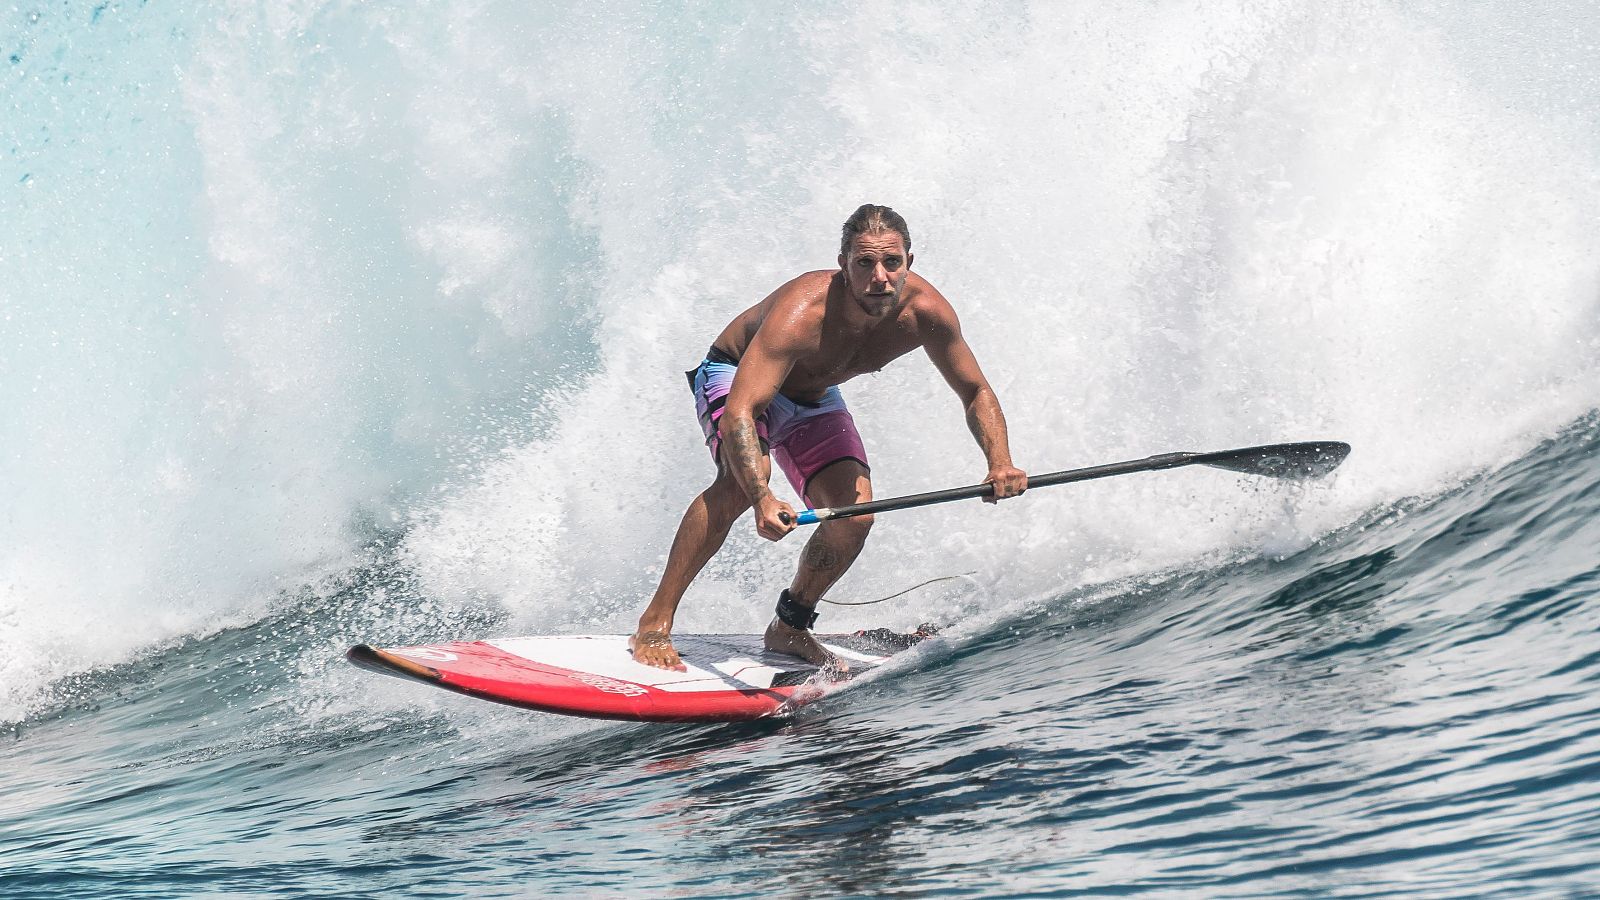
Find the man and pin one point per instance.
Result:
(770, 380)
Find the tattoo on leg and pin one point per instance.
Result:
(821, 556)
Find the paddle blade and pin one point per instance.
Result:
(1312, 459)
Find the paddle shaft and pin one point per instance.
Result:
(1149, 464)
(1276, 461)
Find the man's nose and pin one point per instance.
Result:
(879, 274)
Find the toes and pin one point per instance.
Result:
(656, 659)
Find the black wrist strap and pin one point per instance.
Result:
(792, 614)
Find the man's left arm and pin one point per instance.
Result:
(954, 360)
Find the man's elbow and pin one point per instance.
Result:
(734, 422)
(977, 396)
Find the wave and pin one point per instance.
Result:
(284, 285)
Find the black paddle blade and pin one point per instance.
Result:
(1312, 459)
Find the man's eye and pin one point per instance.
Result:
(892, 262)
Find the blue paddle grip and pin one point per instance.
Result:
(806, 517)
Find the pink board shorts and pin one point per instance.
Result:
(804, 438)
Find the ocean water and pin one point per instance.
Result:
(325, 323)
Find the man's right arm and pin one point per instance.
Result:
(762, 369)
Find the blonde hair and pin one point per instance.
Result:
(872, 219)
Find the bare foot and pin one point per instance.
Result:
(782, 638)
(654, 648)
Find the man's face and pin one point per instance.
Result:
(875, 270)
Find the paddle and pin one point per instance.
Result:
(1312, 459)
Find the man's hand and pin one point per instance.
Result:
(1008, 481)
(768, 523)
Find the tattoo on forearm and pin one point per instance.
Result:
(745, 442)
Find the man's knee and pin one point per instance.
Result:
(840, 483)
(725, 499)
(854, 529)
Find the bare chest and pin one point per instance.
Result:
(842, 356)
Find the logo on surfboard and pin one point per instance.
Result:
(609, 685)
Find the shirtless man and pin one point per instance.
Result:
(770, 380)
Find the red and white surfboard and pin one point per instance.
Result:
(728, 677)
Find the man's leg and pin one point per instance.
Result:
(829, 552)
(701, 533)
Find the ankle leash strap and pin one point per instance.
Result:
(792, 614)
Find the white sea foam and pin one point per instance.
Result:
(326, 267)
(1201, 229)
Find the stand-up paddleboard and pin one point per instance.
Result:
(729, 677)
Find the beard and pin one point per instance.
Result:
(878, 304)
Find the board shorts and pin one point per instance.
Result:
(804, 438)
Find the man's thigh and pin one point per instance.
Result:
(808, 447)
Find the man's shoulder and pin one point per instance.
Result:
(925, 302)
(814, 283)
(805, 291)
(918, 287)
(794, 313)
